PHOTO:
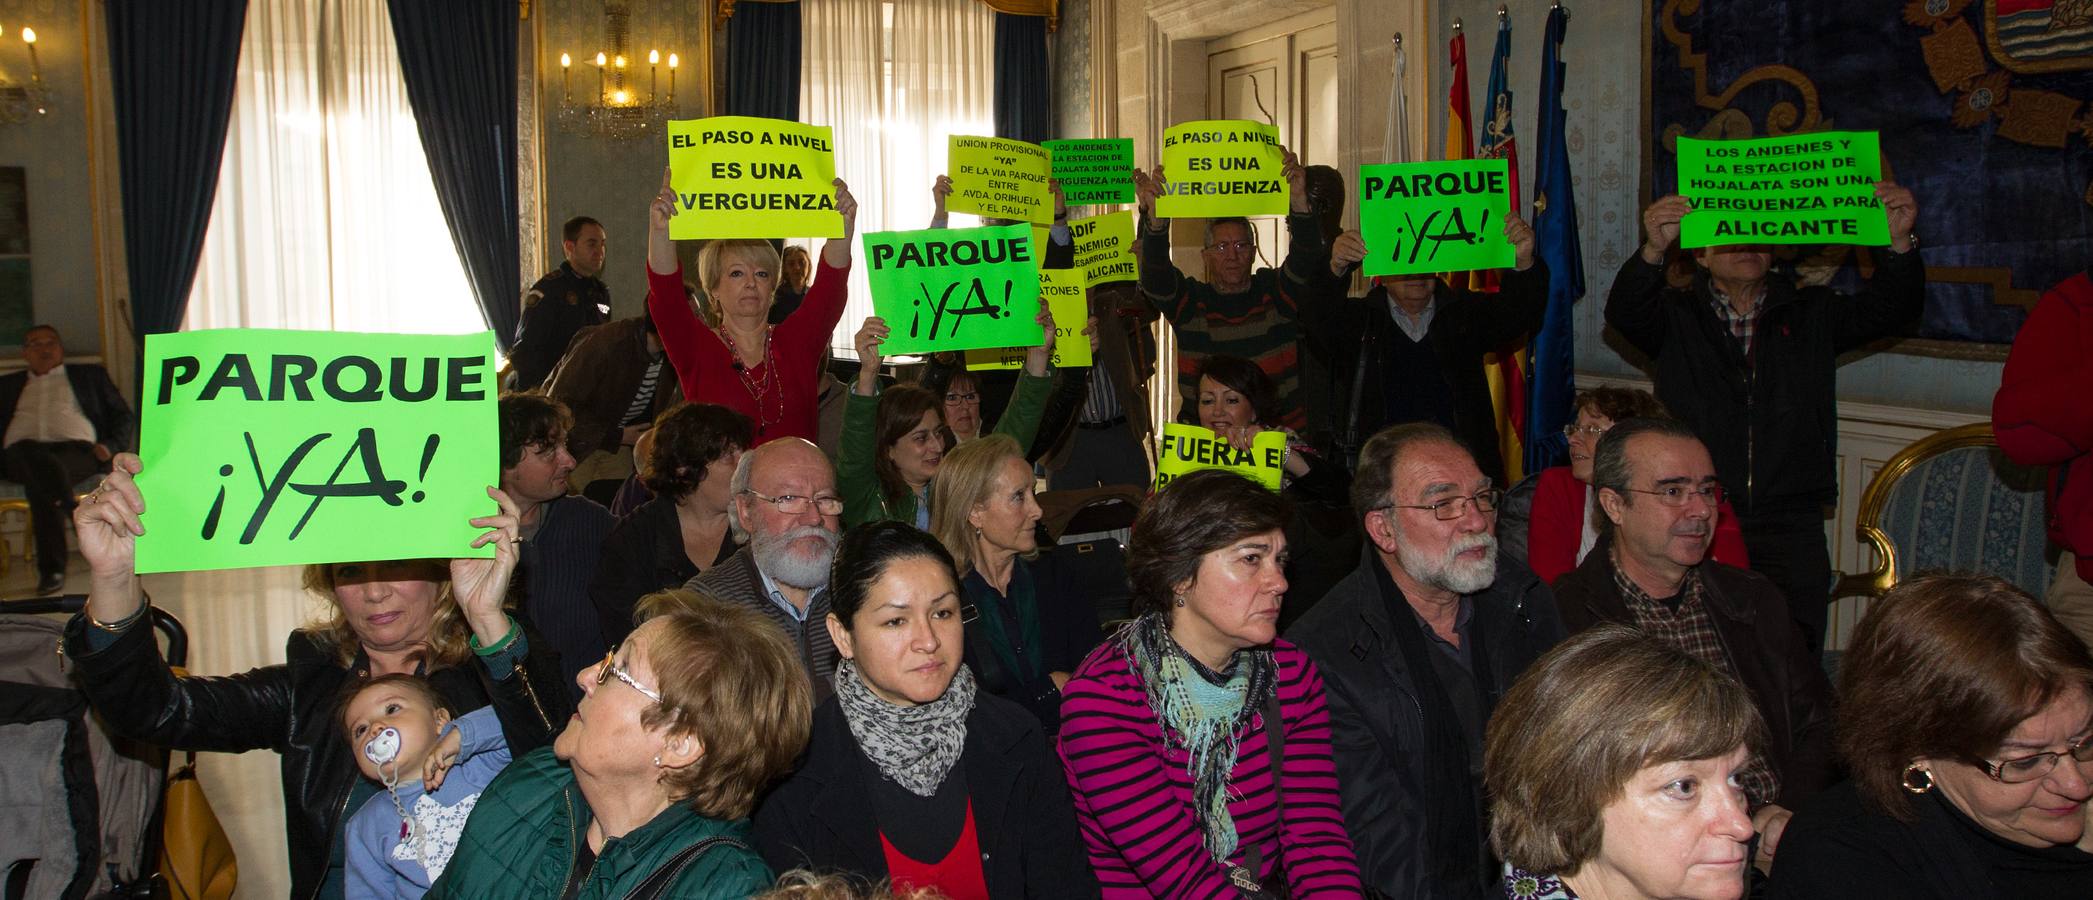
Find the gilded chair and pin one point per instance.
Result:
(1953, 501)
(14, 505)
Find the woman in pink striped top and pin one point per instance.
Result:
(1166, 729)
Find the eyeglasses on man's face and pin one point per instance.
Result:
(1451, 508)
(1676, 494)
(794, 504)
(1232, 246)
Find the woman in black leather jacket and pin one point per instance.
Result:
(397, 616)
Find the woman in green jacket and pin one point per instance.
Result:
(894, 440)
(648, 791)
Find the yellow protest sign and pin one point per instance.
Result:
(1105, 248)
(1222, 167)
(749, 177)
(1185, 449)
(998, 177)
(1062, 289)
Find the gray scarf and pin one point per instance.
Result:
(913, 746)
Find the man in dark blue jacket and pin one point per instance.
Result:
(64, 422)
(1748, 359)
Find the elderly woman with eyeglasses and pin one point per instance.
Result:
(648, 791)
(1966, 717)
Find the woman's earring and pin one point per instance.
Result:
(657, 760)
(1916, 779)
(1180, 601)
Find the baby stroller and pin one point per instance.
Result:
(80, 808)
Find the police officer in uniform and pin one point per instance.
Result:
(567, 300)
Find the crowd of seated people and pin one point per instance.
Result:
(848, 655)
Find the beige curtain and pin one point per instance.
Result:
(326, 217)
(895, 79)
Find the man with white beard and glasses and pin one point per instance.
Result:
(1650, 570)
(1416, 646)
(786, 508)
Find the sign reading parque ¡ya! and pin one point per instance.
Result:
(1099, 170)
(1185, 449)
(1222, 167)
(747, 177)
(1105, 248)
(1426, 217)
(999, 177)
(1069, 302)
(1801, 189)
(270, 448)
(955, 288)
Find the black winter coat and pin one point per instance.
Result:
(291, 709)
(1068, 631)
(1377, 721)
(1770, 655)
(821, 818)
(1770, 421)
(1351, 337)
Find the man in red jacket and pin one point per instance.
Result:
(2042, 419)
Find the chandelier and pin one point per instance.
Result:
(19, 102)
(619, 110)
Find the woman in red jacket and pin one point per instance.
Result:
(1558, 527)
(770, 373)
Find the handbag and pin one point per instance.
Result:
(196, 858)
(1244, 877)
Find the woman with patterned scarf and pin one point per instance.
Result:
(914, 774)
(1197, 744)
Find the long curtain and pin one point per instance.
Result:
(763, 60)
(458, 59)
(326, 217)
(893, 121)
(170, 135)
(1024, 102)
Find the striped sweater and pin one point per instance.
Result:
(1133, 795)
(1257, 325)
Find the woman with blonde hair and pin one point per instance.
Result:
(1029, 625)
(770, 373)
(441, 619)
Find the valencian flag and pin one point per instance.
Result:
(1505, 369)
(1556, 244)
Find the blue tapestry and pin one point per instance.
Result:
(1982, 106)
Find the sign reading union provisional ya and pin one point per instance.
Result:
(268, 448)
(1802, 189)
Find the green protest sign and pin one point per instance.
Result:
(999, 177)
(1222, 167)
(1094, 171)
(271, 448)
(1105, 248)
(1428, 217)
(1185, 449)
(1069, 303)
(1801, 189)
(955, 288)
(747, 177)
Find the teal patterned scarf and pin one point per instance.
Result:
(1204, 712)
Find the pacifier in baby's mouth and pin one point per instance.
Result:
(383, 747)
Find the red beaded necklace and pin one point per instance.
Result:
(758, 388)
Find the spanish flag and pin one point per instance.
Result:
(1504, 370)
